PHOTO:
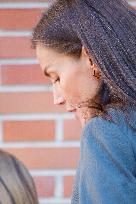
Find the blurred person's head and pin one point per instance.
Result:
(16, 184)
(87, 48)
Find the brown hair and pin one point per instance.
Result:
(107, 29)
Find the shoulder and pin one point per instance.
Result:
(101, 132)
(117, 126)
(104, 140)
(99, 126)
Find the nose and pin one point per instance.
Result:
(58, 98)
(59, 101)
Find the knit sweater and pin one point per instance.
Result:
(106, 171)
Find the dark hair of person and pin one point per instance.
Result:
(107, 29)
(16, 184)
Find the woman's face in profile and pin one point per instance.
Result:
(72, 79)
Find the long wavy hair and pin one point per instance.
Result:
(107, 29)
(16, 184)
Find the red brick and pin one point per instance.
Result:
(49, 158)
(68, 185)
(15, 19)
(0, 74)
(38, 0)
(72, 129)
(45, 186)
(28, 130)
(16, 47)
(24, 0)
(25, 102)
(23, 74)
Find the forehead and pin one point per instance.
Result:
(44, 55)
(42, 51)
(47, 55)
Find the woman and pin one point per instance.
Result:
(16, 184)
(87, 49)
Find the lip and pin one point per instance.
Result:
(71, 110)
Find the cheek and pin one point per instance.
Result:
(70, 86)
(79, 87)
(89, 86)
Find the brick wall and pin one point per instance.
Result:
(42, 135)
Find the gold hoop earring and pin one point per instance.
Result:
(96, 74)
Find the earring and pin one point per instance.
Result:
(96, 74)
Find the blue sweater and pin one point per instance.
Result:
(106, 172)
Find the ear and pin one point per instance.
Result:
(85, 53)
